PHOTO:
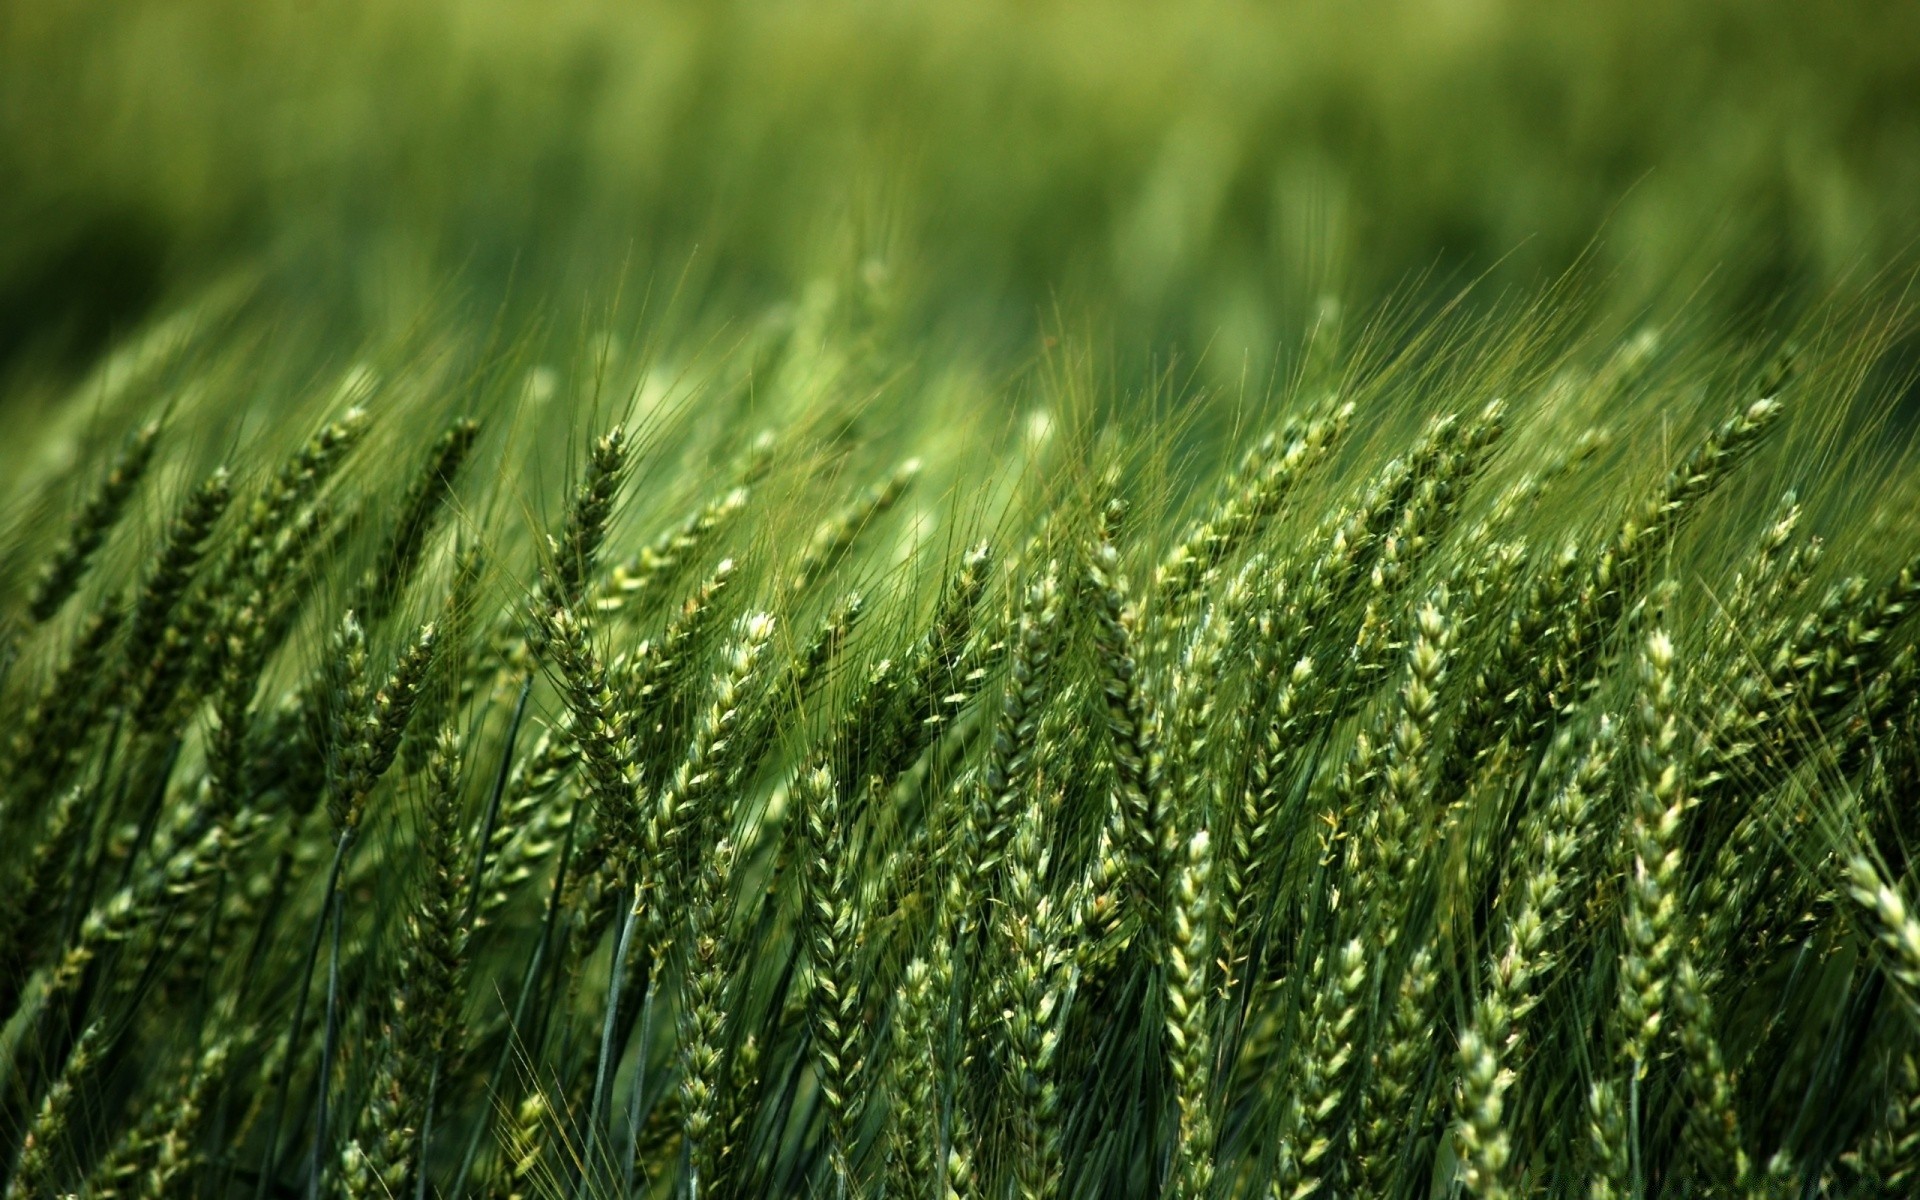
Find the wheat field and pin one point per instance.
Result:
(971, 683)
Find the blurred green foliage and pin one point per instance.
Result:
(1194, 175)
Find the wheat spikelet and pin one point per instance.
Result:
(1890, 921)
(371, 736)
(1729, 1172)
(1188, 953)
(834, 921)
(703, 1019)
(830, 542)
(1545, 863)
(683, 808)
(426, 496)
(576, 552)
(1304, 1137)
(637, 583)
(59, 576)
(1135, 825)
(44, 1151)
(1036, 997)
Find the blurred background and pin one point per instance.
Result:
(1196, 177)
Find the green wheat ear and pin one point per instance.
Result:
(59, 576)
(1438, 806)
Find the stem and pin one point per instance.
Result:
(492, 815)
(270, 1166)
(634, 1111)
(329, 1043)
(1633, 1131)
(150, 817)
(603, 1064)
(487, 823)
(533, 972)
(426, 1133)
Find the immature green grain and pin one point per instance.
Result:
(687, 808)
(435, 969)
(1890, 1160)
(1135, 822)
(703, 1020)
(367, 735)
(293, 570)
(1406, 777)
(1891, 923)
(1194, 699)
(30, 903)
(907, 702)
(349, 699)
(1828, 672)
(1798, 676)
(1037, 993)
(638, 583)
(155, 1158)
(426, 497)
(390, 1148)
(1510, 687)
(1545, 865)
(1252, 852)
(522, 1148)
(370, 738)
(959, 1180)
(799, 679)
(1188, 955)
(59, 576)
(535, 814)
(825, 644)
(739, 1106)
(1249, 499)
(669, 833)
(833, 928)
(602, 731)
(1649, 914)
(834, 536)
(1608, 1138)
(1691, 480)
(661, 665)
(46, 1153)
(174, 566)
(576, 552)
(997, 799)
(912, 1063)
(1728, 1171)
(157, 893)
(240, 668)
(1007, 930)
(1750, 597)
(1389, 1106)
(52, 731)
(1427, 513)
(655, 680)
(1387, 855)
(936, 997)
(1304, 1137)
(268, 521)
(1659, 802)
(1483, 1140)
(1619, 573)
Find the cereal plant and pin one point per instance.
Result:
(1486, 782)
(931, 602)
